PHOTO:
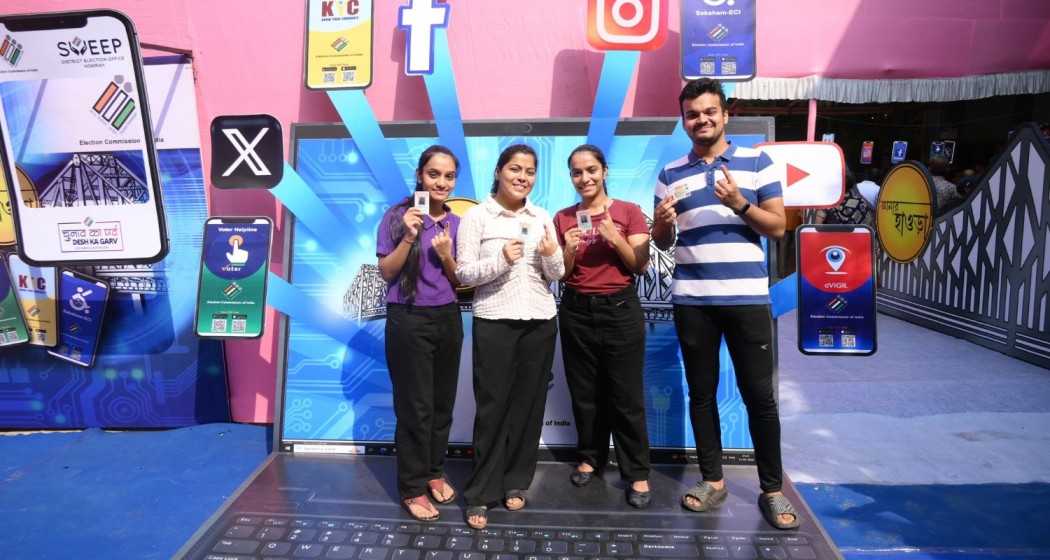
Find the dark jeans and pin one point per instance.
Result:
(512, 369)
(748, 331)
(603, 347)
(422, 352)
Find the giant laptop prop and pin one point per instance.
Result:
(329, 490)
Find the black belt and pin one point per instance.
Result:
(571, 295)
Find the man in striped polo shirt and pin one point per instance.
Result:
(721, 199)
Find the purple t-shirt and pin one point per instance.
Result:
(432, 287)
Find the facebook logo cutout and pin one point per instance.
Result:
(419, 19)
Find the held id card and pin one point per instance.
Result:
(681, 192)
(583, 221)
(421, 201)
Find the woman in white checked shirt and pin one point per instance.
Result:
(507, 251)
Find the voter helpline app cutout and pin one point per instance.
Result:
(247, 152)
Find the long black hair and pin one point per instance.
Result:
(410, 271)
(504, 157)
(598, 155)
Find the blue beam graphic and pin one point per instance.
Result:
(617, 71)
(784, 295)
(291, 301)
(301, 200)
(444, 103)
(360, 121)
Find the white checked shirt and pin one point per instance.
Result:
(502, 290)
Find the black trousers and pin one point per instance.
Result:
(603, 348)
(512, 369)
(748, 331)
(422, 352)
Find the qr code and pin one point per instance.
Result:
(728, 67)
(849, 341)
(328, 77)
(349, 73)
(707, 67)
(218, 325)
(239, 325)
(826, 340)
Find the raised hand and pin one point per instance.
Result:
(727, 192)
(572, 240)
(513, 250)
(413, 220)
(547, 246)
(442, 243)
(665, 211)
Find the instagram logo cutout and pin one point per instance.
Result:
(634, 25)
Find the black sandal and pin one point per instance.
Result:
(775, 505)
(514, 495)
(708, 496)
(434, 494)
(580, 478)
(477, 511)
(407, 503)
(638, 499)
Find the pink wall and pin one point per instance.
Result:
(530, 59)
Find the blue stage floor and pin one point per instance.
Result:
(935, 448)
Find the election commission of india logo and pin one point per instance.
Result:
(904, 215)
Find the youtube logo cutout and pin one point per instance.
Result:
(811, 174)
(632, 25)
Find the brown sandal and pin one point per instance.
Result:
(433, 492)
(420, 501)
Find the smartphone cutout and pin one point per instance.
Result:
(76, 141)
(82, 302)
(35, 287)
(836, 290)
(12, 325)
(231, 294)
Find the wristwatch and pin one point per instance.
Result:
(743, 209)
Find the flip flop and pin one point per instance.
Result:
(514, 495)
(434, 494)
(775, 505)
(477, 511)
(708, 496)
(407, 503)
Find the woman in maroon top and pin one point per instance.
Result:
(606, 244)
(424, 332)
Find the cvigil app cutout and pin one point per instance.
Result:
(12, 327)
(836, 292)
(232, 294)
(82, 302)
(76, 135)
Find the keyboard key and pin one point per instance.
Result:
(490, 533)
(407, 555)
(248, 520)
(545, 535)
(554, 547)
(570, 536)
(439, 555)
(427, 542)
(657, 550)
(302, 535)
(227, 557)
(275, 522)
(302, 523)
(652, 537)
(743, 551)
(491, 545)
(600, 536)
(679, 539)
(515, 534)
(356, 526)
(236, 546)
(271, 533)
(459, 543)
(462, 532)
(629, 537)
(240, 532)
(796, 540)
(341, 552)
(276, 549)
(333, 536)
(435, 530)
(716, 551)
(396, 540)
(329, 524)
(409, 528)
(587, 548)
(471, 556)
(523, 546)
(619, 549)
(373, 553)
(505, 557)
(772, 553)
(364, 537)
(771, 541)
(802, 552)
(738, 539)
(383, 527)
(307, 550)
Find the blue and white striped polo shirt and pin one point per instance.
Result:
(718, 258)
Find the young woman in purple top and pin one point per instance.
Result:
(424, 331)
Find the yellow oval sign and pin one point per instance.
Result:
(7, 221)
(904, 212)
